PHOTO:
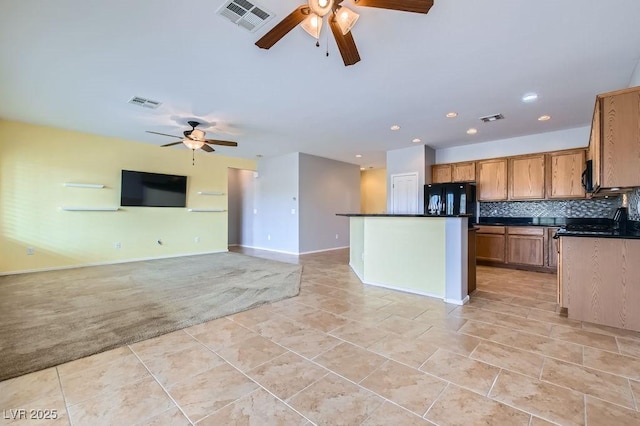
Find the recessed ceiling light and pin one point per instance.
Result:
(530, 97)
(544, 118)
(395, 127)
(358, 156)
(452, 114)
(362, 168)
(417, 140)
(472, 131)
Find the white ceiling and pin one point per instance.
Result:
(74, 64)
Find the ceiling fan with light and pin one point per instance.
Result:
(195, 139)
(340, 19)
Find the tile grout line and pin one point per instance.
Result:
(166, 391)
(633, 395)
(435, 400)
(495, 380)
(64, 397)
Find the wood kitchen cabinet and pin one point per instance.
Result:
(615, 140)
(564, 174)
(491, 243)
(463, 172)
(552, 248)
(456, 172)
(526, 177)
(599, 280)
(492, 179)
(441, 173)
(525, 245)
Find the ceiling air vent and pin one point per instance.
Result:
(490, 118)
(145, 103)
(245, 14)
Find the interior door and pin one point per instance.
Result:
(404, 193)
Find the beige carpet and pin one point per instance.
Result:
(48, 318)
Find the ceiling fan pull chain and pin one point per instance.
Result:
(327, 36)
(193, 157)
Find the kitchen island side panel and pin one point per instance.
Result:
(356, 245)
(406, 254)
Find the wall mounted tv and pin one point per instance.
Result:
(141, 189)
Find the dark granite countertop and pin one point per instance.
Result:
(628, 235)
(398, 215)
(543, 221)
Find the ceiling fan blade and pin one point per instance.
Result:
(283, 27)
(207, 148)
(171, 144)
(417, 6)
(164, 134)
(346, 44)
(223, 143)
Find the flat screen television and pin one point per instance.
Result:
(141, 189)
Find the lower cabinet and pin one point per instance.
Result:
(552, 248)
(525, 245)
(599, 280)
(529, 247)
(490, 243)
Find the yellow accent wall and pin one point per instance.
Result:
(35, 162)
(373, 191)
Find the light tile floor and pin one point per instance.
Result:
(344, 353)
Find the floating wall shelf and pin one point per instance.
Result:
(210, 193)
(89, 209)
(206, 210)
(84, 185)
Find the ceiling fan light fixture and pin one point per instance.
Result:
(196, 135)
(346, 19)
(320, 7)
(193, 144)
(312, 25)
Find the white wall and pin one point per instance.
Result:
(635, 78)
(276, 194)
(541, 142)
(326, 187)
(416, 159)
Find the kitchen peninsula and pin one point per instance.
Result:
(414, 253)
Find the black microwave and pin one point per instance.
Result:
(587, 177)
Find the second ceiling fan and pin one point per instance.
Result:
(341, 20)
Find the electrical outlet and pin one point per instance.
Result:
(337, 236)
(196, 239)
(117, 245)
(255, 211)
(31, 251)
(293, 211)
(269, 237)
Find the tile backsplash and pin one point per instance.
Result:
(594, 208)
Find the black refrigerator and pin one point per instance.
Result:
(448, 199)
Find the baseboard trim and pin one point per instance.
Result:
(324, 250)
(115, 262)
(406, 290)
(290, 252)
(269, 249)
(458, 302)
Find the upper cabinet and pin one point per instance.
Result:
(463, 172)
(492, 179)
(564, 174)
(615, 140)
(547, 175)
(441, 173)
(526, 177)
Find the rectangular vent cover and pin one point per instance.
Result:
(490, 118)
(145, 103)
(245, 14)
